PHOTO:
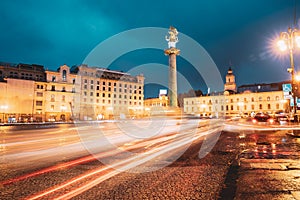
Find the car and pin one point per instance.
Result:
(263, 118)
(282, 118)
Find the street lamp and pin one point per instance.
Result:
(287, 41)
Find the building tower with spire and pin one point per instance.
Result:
(230, 84)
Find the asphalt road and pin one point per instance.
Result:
(158, 159)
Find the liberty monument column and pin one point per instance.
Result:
(172, 52)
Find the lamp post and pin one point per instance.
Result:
(287, 42)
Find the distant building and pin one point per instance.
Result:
(230, 85)
(58, 95)
(22, 71)
(250, 99)
(108, 94)
(29, 93)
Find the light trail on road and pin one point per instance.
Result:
(120, 166)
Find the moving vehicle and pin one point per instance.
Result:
(263, 118)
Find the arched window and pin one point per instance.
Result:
(260, 99)
(268, 98)
(64, 75)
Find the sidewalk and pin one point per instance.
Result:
(268, 167)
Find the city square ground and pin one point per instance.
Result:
(246, 163)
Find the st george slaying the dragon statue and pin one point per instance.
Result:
(172, 39)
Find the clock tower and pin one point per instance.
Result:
(230, 85)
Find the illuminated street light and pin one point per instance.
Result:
(3, 108)
(288, 40)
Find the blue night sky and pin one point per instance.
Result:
(52, 33)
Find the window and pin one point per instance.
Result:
(92, 82)
(252, 99)
(85, 86)
(38, 111)
(73, 80)
(98, 87)
(53, 78)
(103, 94)
(268, 98)
(53, 98)
(92, 87)
(53, 88)
(63, 98)
(277, 98)
(39, 103)
(39, 94)
(91, 94)
(260, 99)
(64, 75)
(52, 107)
(97, 94)
(260, 106)
(277, 106)
(269, 106)
(85, 80)
(84, 93)
(231, 107)
(252, 107)
(63, 89)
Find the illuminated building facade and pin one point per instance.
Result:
(80, 93)
(230, 103)
(108, 94)
(59, 94)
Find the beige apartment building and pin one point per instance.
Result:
(80, 93)
(108, 94)
(230, 103)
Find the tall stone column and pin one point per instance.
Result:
(172, 52)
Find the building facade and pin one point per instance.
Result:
(80, 93)
(108, 94)
(229, 103)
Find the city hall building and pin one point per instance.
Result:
(244, 101)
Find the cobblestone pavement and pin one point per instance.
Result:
(269, 166)
(243, 165)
